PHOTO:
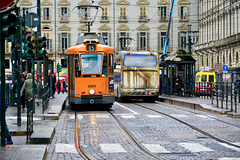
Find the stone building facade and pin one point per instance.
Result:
(219, 34)
(146, 21)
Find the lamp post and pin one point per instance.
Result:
(192, 38)
(88, 14)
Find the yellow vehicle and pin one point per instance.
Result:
(205, 76)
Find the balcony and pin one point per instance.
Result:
(143, 19)
(183, 18)
(228, 41)
(64, 18)
(163, 18)
(123, 19)
(104, 19)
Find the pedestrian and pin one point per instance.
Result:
(28, 87)
(25, 75)
(53, 84)
(179, 85)
(64, 86)
(160, 85)
(23, 79)
(8, 136)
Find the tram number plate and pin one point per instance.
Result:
(139, 90)
(91, 47)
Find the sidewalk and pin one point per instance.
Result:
(201, 104)
(43, 127)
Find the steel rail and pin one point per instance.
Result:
(133, 138)
(77, 140)
(191, 126)
(162, 103)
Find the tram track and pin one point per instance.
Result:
(77, 140)
(130, 135)
(191, 126)
(133, 138)
(166, 105)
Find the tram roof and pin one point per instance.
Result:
(84, 36)
(132, 52)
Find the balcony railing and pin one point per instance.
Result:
(105, 18)
(123, 18)
(143, 18)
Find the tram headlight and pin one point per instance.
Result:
(91, 91)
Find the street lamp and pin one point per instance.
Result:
(88, 14)
(192, 38)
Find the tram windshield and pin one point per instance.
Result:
(139, 60)
(91, 63)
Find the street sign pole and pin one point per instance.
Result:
(2, 54)
(18, 47)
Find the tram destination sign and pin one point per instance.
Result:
(91, 47)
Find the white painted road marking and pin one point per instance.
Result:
(229, 158)
(231, 147)
(178, 115)
(128, 117)
(102, 116)
(154, 116)
(79, 117)
(195, 147)
(112, 148)
(155, 148)
(65, 148)
(126, 108)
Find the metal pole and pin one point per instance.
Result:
(55, 30)
(189, 39)
(3, 120)
(18, 45)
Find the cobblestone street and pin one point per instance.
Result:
(163, 136)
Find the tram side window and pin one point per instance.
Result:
(204, 78)
(77, 66)
(104, 71)
(111, 64)
(211, 78)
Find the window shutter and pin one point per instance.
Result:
(148, 42)
(68, 10)
(118, 42)
(179, 12)
(179, 40)
(158, 42)
(59, 42)
(69, 40)
(188, 12)
(110, 39)
(138, 41)
(42, 14)
(59, 11)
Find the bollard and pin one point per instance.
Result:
(217, 93)
(235, 97)
(222, 94)
(226, 95)
(231, 97)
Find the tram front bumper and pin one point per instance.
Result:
(92, 100)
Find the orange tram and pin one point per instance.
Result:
(91, 72)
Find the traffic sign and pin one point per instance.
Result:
(218, 67)
(5, 3)
(32, 20)
(225, 67)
